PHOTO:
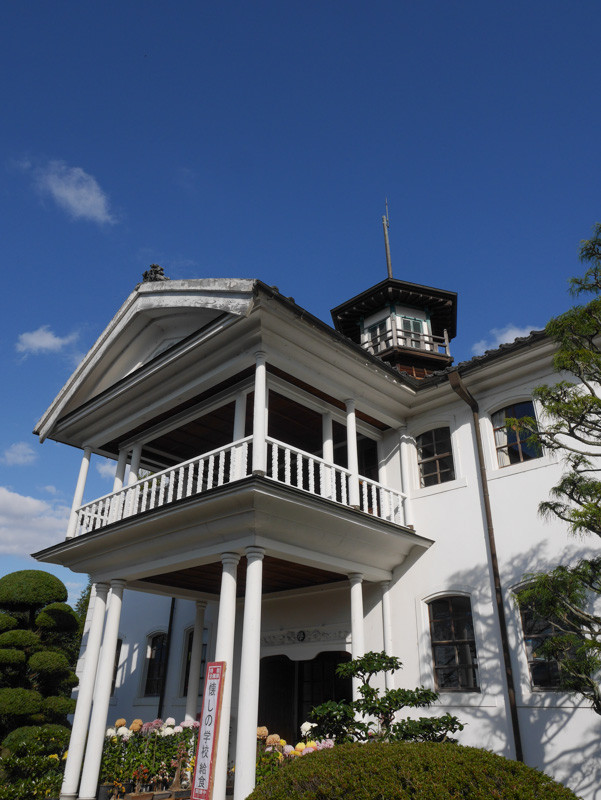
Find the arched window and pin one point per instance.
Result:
(512, 445)
(156, 661)
(453, 644)
(435, 457)
(544, 672)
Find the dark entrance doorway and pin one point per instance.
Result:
(288, 690)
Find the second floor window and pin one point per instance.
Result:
(156, 663)
(453, 644)
(435, 457)
(511, 444)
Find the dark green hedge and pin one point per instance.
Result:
(34, 737)
(30, 589)
(48, 663)
(58, 707)
(20, 702)
(20, 638)
(7, 623)
(58, 617)
(407, 771)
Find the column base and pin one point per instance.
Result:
(68, 796)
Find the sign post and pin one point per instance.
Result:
(208, 733)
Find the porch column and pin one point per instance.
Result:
(407, 445)
(134, 467)
(102, 695)
(260, 416)
(387, 630)
(241, 466)
(120, 471)
(248, 704)
(357, 632)
(327, 434)
(79, 489)
(195, 662)
(84, 694)
(352, 455)
(224, 651)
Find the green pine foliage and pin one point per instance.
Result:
(374, 716)
(571, 426)
(39, 642)
(408, 771)
(32, 762)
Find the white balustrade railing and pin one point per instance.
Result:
(285, 464)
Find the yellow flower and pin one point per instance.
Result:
(282, 743)
(65, 756)
(120, 723)
(311, 744)
(300, 747)
(54, 755)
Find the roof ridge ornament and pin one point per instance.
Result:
(386, 225)
(155, 273)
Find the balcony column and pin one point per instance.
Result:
(84, 694)
(224, 651)
(328, 481)
(248, 706)
(357, 632)
(387, 630)
(352, 454)
(259, 463)
(102, 695)
(120, 471)
(241, 465)
(195, 662)
(134, 466)
(79, 490)
(407, 450)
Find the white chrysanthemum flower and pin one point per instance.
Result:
(178, 729)
(110, 732)
(167, 732)
(306, 727)
(169, 722)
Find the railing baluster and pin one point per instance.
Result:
(145, 488)
(190, 478)
(364, 499)
(287, 457)
(299, 471)
(221, 469)
(153, 492)
(311, 466)
(180, 483)
(201, 471)
(171, 486)
(275, 462)
(210, 472)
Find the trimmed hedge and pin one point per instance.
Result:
(11, 657)
(7, 623)
(58, 617)
(48, 663)
(30, 588)
(58, 707)
(28, 736)
(408, 771)
(20, 702)
(20, 638)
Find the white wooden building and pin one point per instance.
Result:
(299, 493)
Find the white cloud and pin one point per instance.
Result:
(50, 489)
(498, 336)
(28, 524)
(43, 340)
(73, 190)
(18, 454)
(106, 468)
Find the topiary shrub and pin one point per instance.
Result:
(35, 762)
(30, 735)
(19, 702)
(11, 657)
(408, 771)
(58, 617)
(30, 589)
(58, 707)
(47, 663)
(7, 623)
(20, 638)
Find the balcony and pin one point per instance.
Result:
(381, 341)
(286, 465)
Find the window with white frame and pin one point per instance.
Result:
(156, 663)
(512, 444)
(453, 644)
(435, 457)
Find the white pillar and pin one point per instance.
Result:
(195, 662)
(120, 471)
(241, 466)
(357, 633)
(329, 489)
(102, 695)
(407, 445)
(79, 489)
(224, 651)
(387, 630)
(248, 703)
(84, 695)
(352, 455)
(134, 467)
(260, 416)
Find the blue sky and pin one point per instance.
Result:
(259, 139)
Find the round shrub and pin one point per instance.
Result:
(30, 589)
(406, 770)
(11, 658)
(7, 623)
(43, 738)
(48, 663)
(58, 617)
(58, 707)
(20, 638)
(19, 702)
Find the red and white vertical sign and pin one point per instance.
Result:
(204, 768)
